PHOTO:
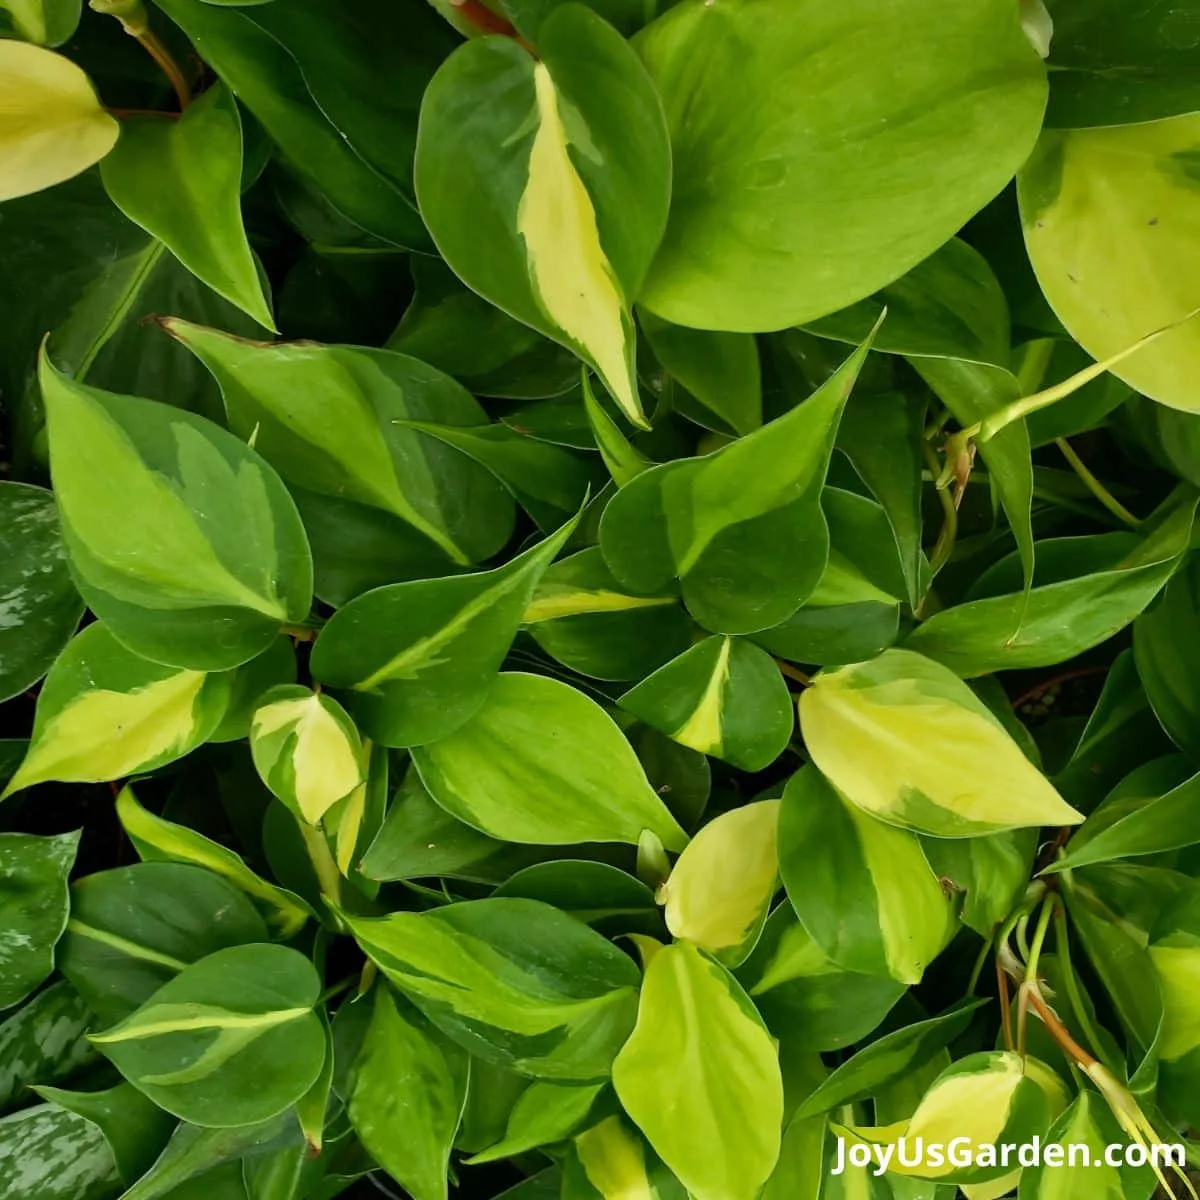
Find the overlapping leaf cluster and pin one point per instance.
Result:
(597, 599)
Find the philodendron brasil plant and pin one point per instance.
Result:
(597, 600)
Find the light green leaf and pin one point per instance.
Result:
(134, 928)
(540, 763)
(720, 889)
(231, 1040)
(723, 697)
(901, 738)
(811, 215)
(156, 839)
(1086, 590)
(863, 890)
(181, 181)
(104, 714)
(420, 657)
(306, 750)
(39, 607)
(742, 528)
(611, 1161)
(545, 1113)
(513, 981)
(33, 908)
(53, 126)
(180, 537)
(583, 617)
(409, 1085)
(806, 997)
(571, 151)
(700, 1077)
(623, 460)
(1109, 216)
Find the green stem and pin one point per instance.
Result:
(1094, 485)
(1071, 983)
(328, 875)
(944, 546)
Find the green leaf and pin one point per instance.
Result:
(451, 328)
(540, 763)
(623, 460)
(134, 1128)
(720, 889)
(156, 839)
(54, 125)
(582, 616)
(274, 666)
(807, 217)
(1168, 822)
(700, 1077)
(231, 1040)
(333, 420)
(180, 538)
(407, 1095)
(891, 1057)
(545, 1113)
(599, 895)
(804, 995)
(181, 181)
(548, 482)
(1174, 951)
(47, 22)
(721, 370)
(268, 80)
(1116, 64)
(44, 1041)
(1087, 589)
(33, 908)
(1114, 207)
(513, 981)
(420, 839)
(723, 697)
(134, 928)
(104, 714)
(991, 871)
(1169, 664)
(306, 750)
(570, 153)
(869, 899)
(50, 1153)
(742, 529)
(900, 737)
(419, 658)
(39, 607)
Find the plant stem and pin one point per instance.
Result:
(793, 672)
(1094, 485)
(475, 13)
(170, 68)
(328, 875)
(1070, 983)
(944, 546)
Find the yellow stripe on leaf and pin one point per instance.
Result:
(570, 273)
